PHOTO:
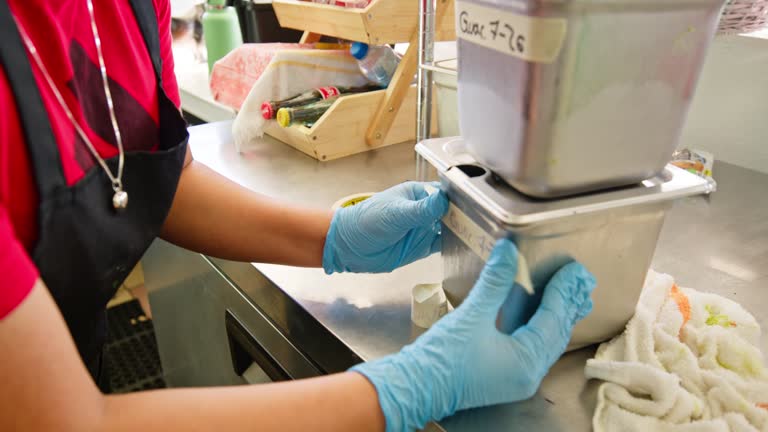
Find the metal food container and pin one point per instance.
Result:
(560, 97)
(613, 233)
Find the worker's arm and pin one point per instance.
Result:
(215, 216)
(45, 387)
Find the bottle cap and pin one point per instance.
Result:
(267, 111)
(283, 117)
(358, 50)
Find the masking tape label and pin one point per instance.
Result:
(481, 243)
(529, 38)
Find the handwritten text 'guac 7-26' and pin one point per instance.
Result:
(491, 30)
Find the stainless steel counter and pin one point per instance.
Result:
(718, 244)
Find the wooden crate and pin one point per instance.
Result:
(357, 123)
(341, 130)
(382, 22)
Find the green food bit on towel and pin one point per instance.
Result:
(715, 318)
(721, 320)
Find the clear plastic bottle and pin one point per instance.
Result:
(377, 63)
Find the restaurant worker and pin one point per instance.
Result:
(94, 165)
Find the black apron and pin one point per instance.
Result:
(85, 248)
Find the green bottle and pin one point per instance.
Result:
(221, 30)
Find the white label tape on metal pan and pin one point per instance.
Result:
(529, 38)
(481, 243)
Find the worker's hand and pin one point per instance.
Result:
(463, 361)
(388, 230)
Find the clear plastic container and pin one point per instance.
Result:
(377, 63)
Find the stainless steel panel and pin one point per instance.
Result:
(282, 172)
(190, 300)
(607, 112)
(328, 353)
(188, 317)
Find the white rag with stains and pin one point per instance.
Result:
(687, 361)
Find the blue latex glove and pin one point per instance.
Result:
(388, 230)
(463, 361)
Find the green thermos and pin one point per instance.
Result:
(221, 30)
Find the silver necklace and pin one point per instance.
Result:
(120, 198)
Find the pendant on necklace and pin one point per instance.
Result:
(120, 199)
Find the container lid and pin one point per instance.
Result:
(510, 207)
(358, 50)
(217, 3)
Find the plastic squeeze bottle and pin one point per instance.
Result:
(305, 113)
(221, 30)
(377, 63)
(269, 108)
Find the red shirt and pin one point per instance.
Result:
(61, 31)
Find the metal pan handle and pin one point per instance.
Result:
(249, 357)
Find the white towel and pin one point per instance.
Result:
(289, 73)
(687, 361)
